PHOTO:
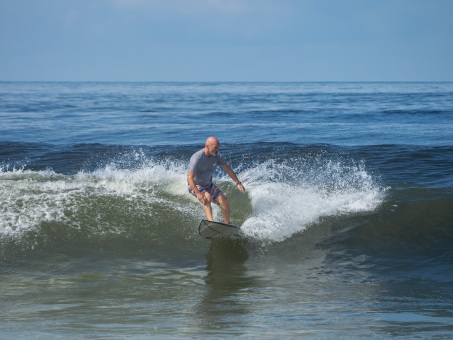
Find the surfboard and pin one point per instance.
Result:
(211, 230)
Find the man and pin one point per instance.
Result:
(199, 178)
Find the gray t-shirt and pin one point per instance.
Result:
(203, 167)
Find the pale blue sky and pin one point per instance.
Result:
(226, 40)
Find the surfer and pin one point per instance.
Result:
(199, 178)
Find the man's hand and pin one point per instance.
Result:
(241, 187)
(201, 198)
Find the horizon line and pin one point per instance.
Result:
(226, 81)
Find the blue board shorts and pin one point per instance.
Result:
(212, 189)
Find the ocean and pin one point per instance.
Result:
(347, 219)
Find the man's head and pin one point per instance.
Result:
(212, 146)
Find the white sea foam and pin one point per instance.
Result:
(285, 198)
(288, 199)
(29, 198)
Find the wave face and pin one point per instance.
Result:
(133, 198)
(137, 196)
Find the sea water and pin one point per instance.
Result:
(347, 221)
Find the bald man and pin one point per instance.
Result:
(199, 178)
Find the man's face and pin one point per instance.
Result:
(213, 148)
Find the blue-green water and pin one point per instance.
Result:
(347, 220)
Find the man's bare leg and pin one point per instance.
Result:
(207, 207)
(225, 205)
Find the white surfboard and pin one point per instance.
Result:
(210, 230)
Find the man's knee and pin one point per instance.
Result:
(223, 200)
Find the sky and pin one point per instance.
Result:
(226, 40)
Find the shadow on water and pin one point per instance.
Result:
(226, 281)
(225, 264)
